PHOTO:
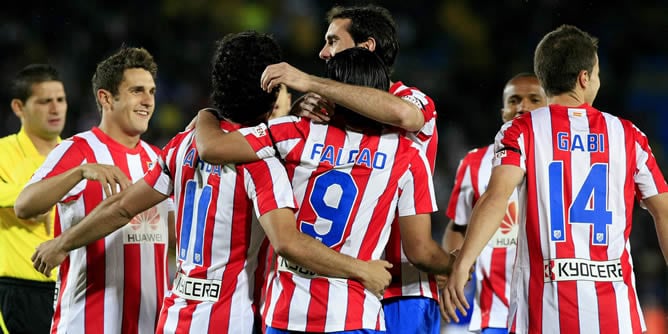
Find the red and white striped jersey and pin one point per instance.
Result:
(494, 265)
(350, 185)
(217, 243)
(408, 280)
(584, 168)
(115, 284)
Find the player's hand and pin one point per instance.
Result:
(284, 73)
(282, 104)
(375, 276)
(313, 106)
(453, 295)
(112, 178)
(48, 255)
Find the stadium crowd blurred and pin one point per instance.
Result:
(460, 52)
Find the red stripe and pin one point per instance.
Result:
(629, 190)
(495, 284)
(535, 293)
(161, 275)
(282, 309)
(607, 303)
(185, 317)
(316, 317)
(63, 271)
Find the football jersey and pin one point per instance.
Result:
(115, 284)
(349, 185)
(406, 279)
(584, 169)
(493, 268)
(217, 242)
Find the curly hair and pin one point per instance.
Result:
(237, 66)
(561, 55)
(371, 21)
(361, 67)
(21, 85)
(109, 72)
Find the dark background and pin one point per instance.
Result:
(460, 52)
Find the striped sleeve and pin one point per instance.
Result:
(268, 186)
(460, 204)
(65, 156)
(648, 177)
(159, 176)
(259, 139)
(417, 189)
(508, 144)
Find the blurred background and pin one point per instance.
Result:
(460, 52)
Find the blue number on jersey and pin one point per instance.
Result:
(332, 199)
(190, 205)
(595, 187)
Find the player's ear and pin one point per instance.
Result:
(369, 44)
(17, 108)
(583, 79)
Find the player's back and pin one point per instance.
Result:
(583, 168)
(349, 185)
(217, 241)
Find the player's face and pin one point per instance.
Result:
(43, 113)
(594, 84)
(522, 95)
(337, 39)
(133, 107)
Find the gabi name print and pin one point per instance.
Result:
(587, 142)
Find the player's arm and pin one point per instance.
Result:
(657, 206)
(421, 250)
(217, 147)
(279, 226)
(110, 215)
(453, 238)
(41, 196)
(485, 220)
(370, 102)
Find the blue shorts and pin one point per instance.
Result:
(408, 315)
(494, 331)
(271, 330)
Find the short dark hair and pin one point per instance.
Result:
(21, 85)
(237, 66)
(109, 72)
(360, 67)
(561, 55)
(371, 21)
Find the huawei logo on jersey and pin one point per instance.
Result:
(506, 235)
(146, 227)
(150, 218)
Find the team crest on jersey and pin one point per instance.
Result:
(149, 164)
(414, 100)
(259, 131)
(145, 227)
(506, 235)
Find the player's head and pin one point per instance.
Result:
(361, 67)
(566, 60)
(522, 94)
(238, 63)
(39, 100)
(124, 86)
(369, 26)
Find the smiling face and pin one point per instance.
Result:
(43, 113)
(131, 109)
(522, 95)
(337, 39)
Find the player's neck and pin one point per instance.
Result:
(118, 135)
(569, 99)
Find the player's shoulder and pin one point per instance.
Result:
(477, 153)
(9, 141)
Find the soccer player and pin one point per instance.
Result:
(217, 242)
(351, 177)
(493, 268)
(115, 284)
(372, 27)
(40, 102)
(577, 171)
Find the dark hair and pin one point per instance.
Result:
(370, 21)
(360, 67)
(109, 72)
(238, 63)
(21, 86)
(561, 55)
